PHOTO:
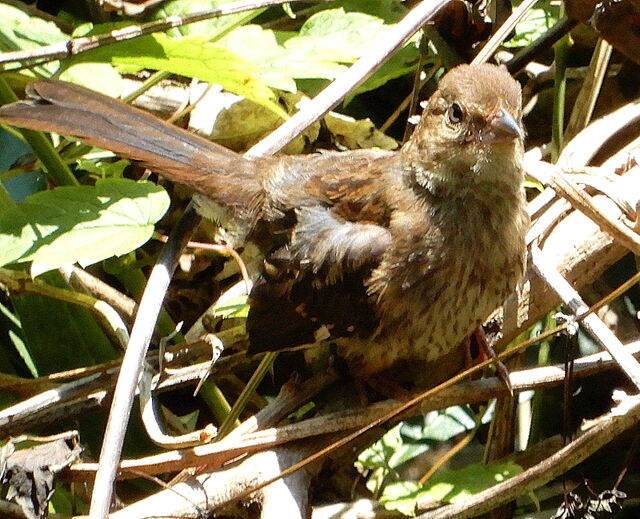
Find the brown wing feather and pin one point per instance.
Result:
(339, 236)
(287, 312)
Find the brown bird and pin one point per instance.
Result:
(397, 255)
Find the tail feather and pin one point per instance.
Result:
(181, 156)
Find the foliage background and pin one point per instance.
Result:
(109, 220)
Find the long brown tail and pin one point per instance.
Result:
(68, 109)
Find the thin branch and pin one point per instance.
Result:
(591, 322)
(111, 320)
(590, 89)
(601, 432)
(81, 279)
(501, 34)
(148, 311)
(75, 46)
(349, 81)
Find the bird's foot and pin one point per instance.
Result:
(484, 352)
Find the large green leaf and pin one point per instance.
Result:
(446, 486)
(83, 224)
(278, 66)
(96, 76)
(58, 335)
(326, 42)
(455, 486)
(19, 31)
(335, 35)
(191, 57)
(391, 11)
(211, 28)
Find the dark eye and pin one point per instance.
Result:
(455, 113)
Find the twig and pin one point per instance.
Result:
(87, 393)
(584, 146)
(44, 407)
(113, 324)
(348, 81)
(561, 52)
(500, 35)
(265, 366)
(230, 251)
(148, 311)
(292, 395)
(531, 52)
(212, 490)
(592, 323)
(588, 95)
(606, 428)
(579, 199)
(80, 278)
(152, 423)
(75, 46)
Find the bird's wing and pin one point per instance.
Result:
(319, 279)
(337, 212)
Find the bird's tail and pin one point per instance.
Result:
(181, 156)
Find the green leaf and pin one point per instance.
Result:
(455, 486)
(83, 224)
(96, 76)
(439, 425)
(391, 11)
(401, 496)
(210, 29)
(19, 31)
(446, 486)
(104, 168)
(60, 335)
(535, 23)
(14, 355)
(233, 303)
(236, 307)
(191, 57)
(402, 62)
(326, 42)
(279, 65)
(385, 455)
(334, 35)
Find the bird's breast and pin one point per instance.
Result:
(434, 292)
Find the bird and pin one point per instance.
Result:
(396, 256)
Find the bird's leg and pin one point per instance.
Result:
(386, 387)
(484, 352)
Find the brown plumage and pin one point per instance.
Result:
(399, 255)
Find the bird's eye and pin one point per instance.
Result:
(455, 113)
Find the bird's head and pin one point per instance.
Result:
(471, 129)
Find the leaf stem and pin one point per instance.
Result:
(561, 50)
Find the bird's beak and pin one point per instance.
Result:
(503, 126)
